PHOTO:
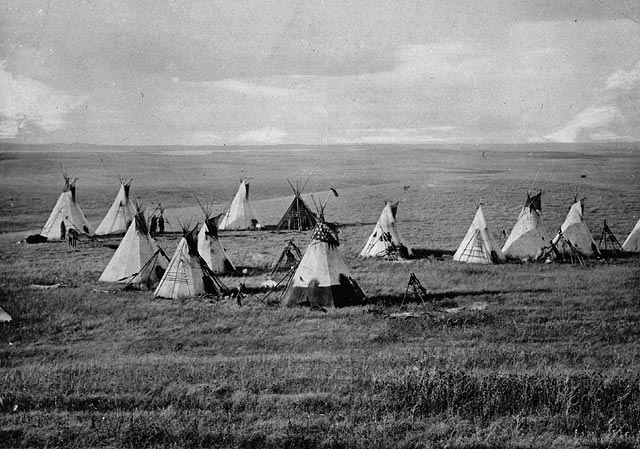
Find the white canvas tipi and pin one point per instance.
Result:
(66, 215)
(137, 251)
(210, 247)
(385, 240)
(120, 215)
(528, 238)
(322, 279)
(188, 274)
(240, 216)
(632, 244)
(479, 246)
(575, 231)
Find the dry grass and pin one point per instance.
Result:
(551, 362)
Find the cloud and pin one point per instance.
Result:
(252, 89)
(26, 104)
(266, 135)
(594, 118)
(396, 135)
(624, 79)
(202, 138)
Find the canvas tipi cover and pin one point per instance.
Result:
(66, 214)
(575, 230)
(188, 274)
(632, 244)
(298, 216)
(527, 237)
(385, 240)
(322, 279)
(211, 249)
(239, 216)
(4, 316)
(135, 252)
(479, 246)
(120, 215)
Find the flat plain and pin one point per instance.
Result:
(550, 359)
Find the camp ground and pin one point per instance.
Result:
(307, 342)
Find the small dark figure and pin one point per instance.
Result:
(153, 227)
(161, 224)
(73, 237)
(240, 293)
(63, 230)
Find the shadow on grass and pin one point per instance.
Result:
(445, 299)
(424, 253)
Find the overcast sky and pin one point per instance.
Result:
(333, 71)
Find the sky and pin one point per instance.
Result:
(169, 72)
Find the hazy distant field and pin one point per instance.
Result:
(552, 361)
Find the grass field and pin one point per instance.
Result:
(552, 359)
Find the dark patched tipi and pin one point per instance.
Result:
(298, 216)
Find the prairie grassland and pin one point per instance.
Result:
(552, 361)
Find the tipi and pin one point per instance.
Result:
(66, 214)
(322, 279)
(188, 274)
(120, 215)
(4, 316)
(479, 246)
(632, 244)
(575, 230)
(298, 216)
(210, 247)
(608, 244)
(385, 240)
(138, 259)
(527, 237)
(289, 258)
(239, 215)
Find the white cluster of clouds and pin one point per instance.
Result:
(606, 120)
(26, 103)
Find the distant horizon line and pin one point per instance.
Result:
(365, 144)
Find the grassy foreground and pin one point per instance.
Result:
(552, 361)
